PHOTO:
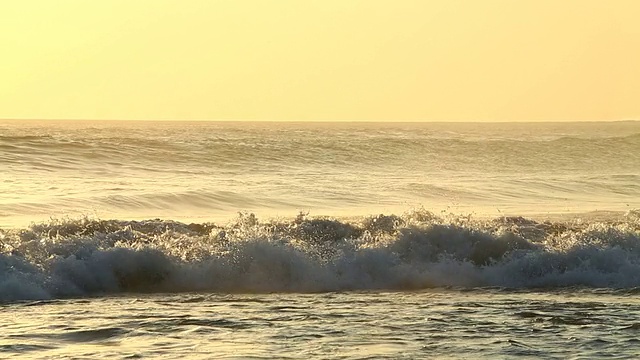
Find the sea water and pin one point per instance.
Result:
(322, 240)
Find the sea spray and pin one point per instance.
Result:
(416, 250)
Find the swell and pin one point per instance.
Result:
(416, 250)
(270, 152)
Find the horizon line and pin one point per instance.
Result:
(324, 121)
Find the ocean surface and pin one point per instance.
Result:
(321, 240)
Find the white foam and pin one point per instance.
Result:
(414, 251)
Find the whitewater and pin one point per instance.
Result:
(328, 240)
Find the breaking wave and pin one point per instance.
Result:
(417, 250)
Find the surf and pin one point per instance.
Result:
(412, 251)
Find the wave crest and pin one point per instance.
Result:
(416, 250)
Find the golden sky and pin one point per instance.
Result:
(405, 60)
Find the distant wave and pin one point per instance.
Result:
(417, 250)
(629, 137)
(290, 145)
(254, 151)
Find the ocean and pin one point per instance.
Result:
(319, 240)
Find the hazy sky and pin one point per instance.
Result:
(320, 60)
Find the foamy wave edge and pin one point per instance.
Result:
(416, 250)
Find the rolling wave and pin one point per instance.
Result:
(417, 250)
(310, 148)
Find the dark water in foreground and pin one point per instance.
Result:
(438, 323)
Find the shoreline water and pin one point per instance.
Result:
(437, 323)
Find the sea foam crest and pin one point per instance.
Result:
(417, 250)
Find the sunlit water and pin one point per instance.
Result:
(209, 171)
(440, 323)
(498, 240)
